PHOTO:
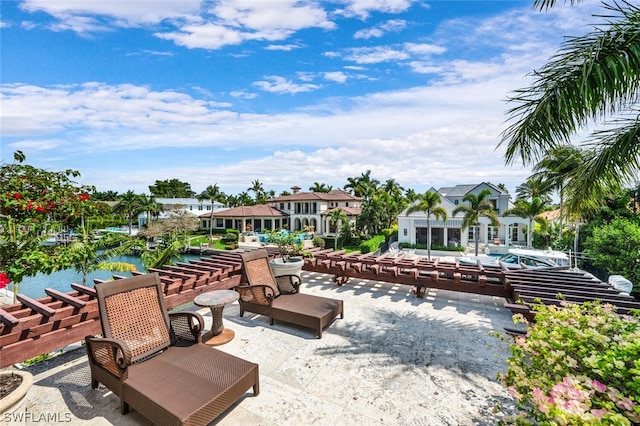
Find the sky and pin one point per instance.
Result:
(281, 91)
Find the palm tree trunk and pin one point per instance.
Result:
(561, 211)
(428, 239)
(476, 236)
(211, 223)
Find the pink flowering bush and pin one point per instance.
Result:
(577, 365)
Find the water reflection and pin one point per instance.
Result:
(61, 281)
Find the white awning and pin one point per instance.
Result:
(451, 223)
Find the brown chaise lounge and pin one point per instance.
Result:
(156, 362)
(279, 298)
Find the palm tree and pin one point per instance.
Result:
(429, 203)
(129, 207)
(320, 187)
(258, 189)
(477, 206)
(592, 78)
(532, 188)
(149, 205)
(560, 166)
(529, 210)
(336, 216)
(88, 254)
(211, 193)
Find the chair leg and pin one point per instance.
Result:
(271, 320)
(94, 383)
(124, 407)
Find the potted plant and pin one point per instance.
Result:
(292, 253)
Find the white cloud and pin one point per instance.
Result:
(393, 25)
(283, 47)
(337, 76)
(243, 94)
(280, 85)
(375, 55)
(363, 8)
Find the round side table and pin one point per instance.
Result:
(216, 301)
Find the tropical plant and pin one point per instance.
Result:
(88, 254)
(578, 364)
(129, 206)
(429, 203)
(532, 188)
(212, 193)
(150, 206)
(529, 210)
(320, 187)
(475, 207)
(289, 244)
(29, 198)
(616, 247)
(593, 78)
(336, 216)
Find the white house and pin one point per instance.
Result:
(413, 228)
(190, 205)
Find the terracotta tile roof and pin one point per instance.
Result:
(349, 211)
(260, 210)
(335, 195)
(551, 215)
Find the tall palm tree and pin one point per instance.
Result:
(258, 189)
(532, 188)
(429, 203)
(336, 216)
(592, 78)
(129, 206)
(150, 206)
(477, 206)
(560, 166)
(529, 210)
(211, 193)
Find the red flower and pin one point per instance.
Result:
(4, 280)
(83, 197)
(16, 195)
(29, 205)
(51, 205)
(40, 209)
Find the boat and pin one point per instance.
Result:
(515, 257)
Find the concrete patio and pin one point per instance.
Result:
(393, 360)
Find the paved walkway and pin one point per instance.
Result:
(393, 360)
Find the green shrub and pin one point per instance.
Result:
(577, 365)
(390, 232)
(318, 242)
(372, 244)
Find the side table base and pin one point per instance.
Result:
(226, 336)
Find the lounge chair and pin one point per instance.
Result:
(280, 299)
(156, 362)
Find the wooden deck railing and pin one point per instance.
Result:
(33, 327)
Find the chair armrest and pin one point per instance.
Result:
(110, 354)
(186, 326)
(258, 294)
(288, 284)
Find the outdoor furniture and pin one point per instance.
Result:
(155, 362)
(280, 299)
(216, 300)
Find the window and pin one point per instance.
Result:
(404, 231)
(493, 232)
(281, 206)
(219, 223)
(472, 234)
(455, 202)
(199, 207)
(513, 232)
(346, 204)
(190, 207)
(208, 207)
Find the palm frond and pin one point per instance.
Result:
(589, 78)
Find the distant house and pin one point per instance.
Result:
(310, 210)
(190, 205)
(258, 218)
(296, 212)
(413, 228)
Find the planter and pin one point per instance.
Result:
(292, 267)
(10, 403)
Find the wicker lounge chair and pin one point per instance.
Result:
(156, 362)
(279, 298)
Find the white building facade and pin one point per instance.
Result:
(412, 228)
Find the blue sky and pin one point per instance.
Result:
(286, 92)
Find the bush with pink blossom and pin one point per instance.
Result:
(577, 365)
